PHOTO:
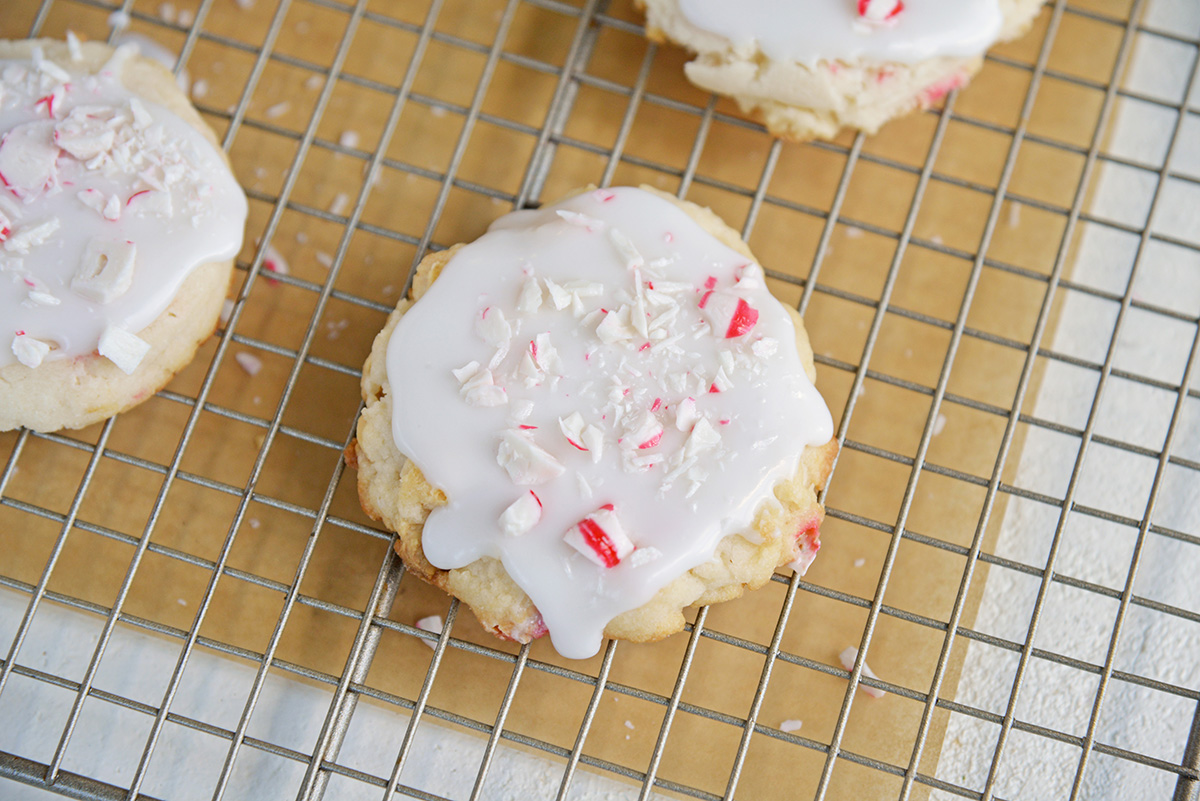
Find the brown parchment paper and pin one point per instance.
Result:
(225, 458)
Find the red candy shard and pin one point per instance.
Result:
(600, 537)
(744, 318)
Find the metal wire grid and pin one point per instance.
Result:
(352, 684)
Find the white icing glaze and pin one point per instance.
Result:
(565, 353)
(109, 203)
(810, 31)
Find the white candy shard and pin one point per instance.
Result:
(572, 428)
(600, 537)
(644, 556)
(29, 350)
(789, 726)
(466, 371)
(493, 328)
(545, 355)
(112, 209)
(581, 220)
(525, 462)
(31, 236)
(686, 414)
(85, 133)
(43, 298)
(73, 47)
(250, 363)
(626, 248)
(765, 348)
(615, 327)
(480, 389)
(593, 441)
(122, 348)
(559, 296)
(434, 625)
(521, 515)
(531, 296)
(847, 658)
(106, 272)
(703, 437)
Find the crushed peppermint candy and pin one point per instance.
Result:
(94, 182)
(848, 657)
(432, 624)
(879, 11)
(122, 348)
(29, 351)
(249, 363)
(600, 537)
(588, 413)
(521, 515)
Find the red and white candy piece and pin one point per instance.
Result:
(729, 315)
(106, 271)
(877, 11)
(525, 462)
(646, 433)
(808, 542)
(521, 515)
(29, 159)
(122, 348)
(581, 435)
(600, 537)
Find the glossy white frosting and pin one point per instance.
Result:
(109, 203)
(811, 31)
(523, 383)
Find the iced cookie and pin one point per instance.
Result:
(593, 417)
(119, 222)
(807, 68)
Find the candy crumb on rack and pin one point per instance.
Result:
(789, 726)
(250, 363)
(847, 658)
(433, 624)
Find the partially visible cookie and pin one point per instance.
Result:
(808, 69)
(119, 222)
(593, 417)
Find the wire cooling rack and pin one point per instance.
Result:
(933, 263)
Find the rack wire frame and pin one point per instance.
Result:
(589, 20)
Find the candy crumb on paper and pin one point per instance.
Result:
(847, 658)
